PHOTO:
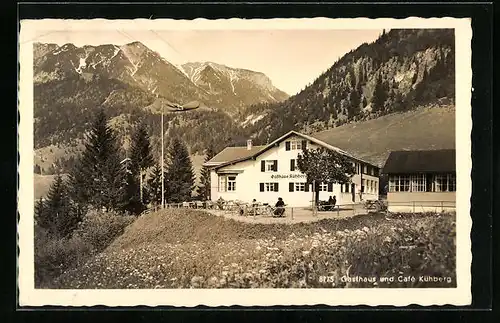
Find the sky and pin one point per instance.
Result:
(290, 58)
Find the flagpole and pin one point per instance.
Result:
(162, 161)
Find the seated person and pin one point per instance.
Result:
(280, 207)
(329, 204)
(220, 203)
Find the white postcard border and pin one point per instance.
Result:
(461, 295)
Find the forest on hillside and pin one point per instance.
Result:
(401, 70)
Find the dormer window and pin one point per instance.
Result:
(295, 144)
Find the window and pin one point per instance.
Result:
(363, 181)
(269, 166)
(222, 183)
(445, 183)
(452, 182)
(269, 187)
(365, 169)
(323, 187)
(293, 164)
(295, 144)
(231, 183)
(227, 183)
(301, 187)
(418, 183)
(399, 183)
(344, 188)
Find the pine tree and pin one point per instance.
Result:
(419, 92)
(56, 214)
(204, 188)
(179, 178)
(154, 185)
(140, 160)
(40, 208)
(355, 99)
(98, 177)
(379, 95)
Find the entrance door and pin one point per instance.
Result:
(353, 192)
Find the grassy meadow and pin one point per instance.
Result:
(194, 249)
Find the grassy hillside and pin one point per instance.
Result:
(193, 249)
(424, 128)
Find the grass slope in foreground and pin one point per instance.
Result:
(193, 249)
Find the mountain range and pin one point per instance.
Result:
(400, 72)
(134, 64)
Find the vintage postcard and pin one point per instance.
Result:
(245, 162)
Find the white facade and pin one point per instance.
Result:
(245, 180)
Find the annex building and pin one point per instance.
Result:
(267, 172)
(421, 180)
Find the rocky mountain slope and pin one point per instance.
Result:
(132, 83)
(246, 86)
(134, 64)
(401, 70)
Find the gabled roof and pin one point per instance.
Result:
(233, 153)
(420, 161)
(242, 153)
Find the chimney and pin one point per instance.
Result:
(249, 144)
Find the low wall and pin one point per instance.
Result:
(421, 201)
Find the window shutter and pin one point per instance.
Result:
(275, 166)
(287, 145)
(263, 166)
(330, 187)
(262, 187)
(307, 187)
(292, 165)
(291, 186)
(276, 187)
(304, 144)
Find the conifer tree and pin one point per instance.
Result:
(98, 177)
(140, 160)
(179, 177)
(154, 185)
(204, 188)
(379, 95)
(56, 213)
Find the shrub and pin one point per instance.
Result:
(54, 256)
(99, 228)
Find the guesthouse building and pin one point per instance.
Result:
(267, 172)
(421, 181)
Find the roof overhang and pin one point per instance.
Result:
(285, 136)
(229, 171)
